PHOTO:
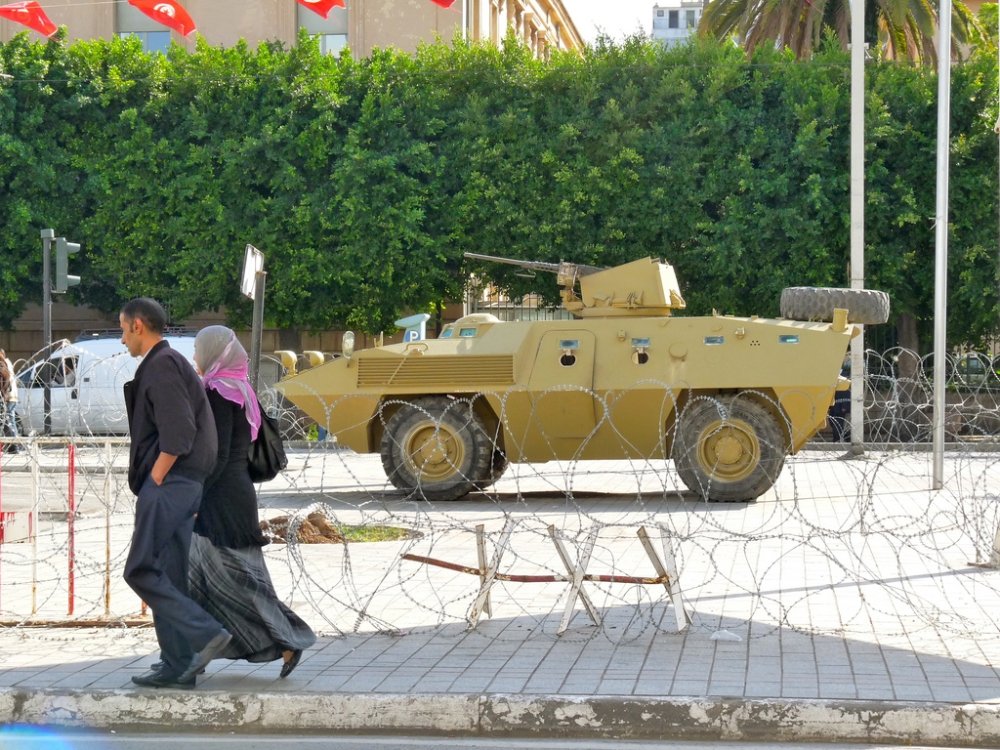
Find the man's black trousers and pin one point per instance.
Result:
(157, 568)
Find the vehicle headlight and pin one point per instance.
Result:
(347, 344)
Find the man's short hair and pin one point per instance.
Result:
(149, 311)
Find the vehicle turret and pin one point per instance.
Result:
(641, 288)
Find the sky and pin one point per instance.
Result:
(616, 18)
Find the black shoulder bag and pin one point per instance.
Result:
(266, 457)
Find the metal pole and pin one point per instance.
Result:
(857, 271)
(258, 326)
(941, 237)
(36, 500)
(3, 532)
(47, 236)
(71, 523)
(107, 528)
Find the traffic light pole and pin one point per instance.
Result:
(47, 236)
(64, 280)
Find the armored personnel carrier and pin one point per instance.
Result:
(726, 398)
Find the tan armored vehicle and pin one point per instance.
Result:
(727, 398)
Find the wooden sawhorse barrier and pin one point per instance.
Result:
(576, 573)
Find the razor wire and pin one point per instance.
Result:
(833, 527)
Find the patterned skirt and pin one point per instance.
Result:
(233, 586)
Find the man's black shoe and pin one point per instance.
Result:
(159, 666)
(201, 659)
(160, 680)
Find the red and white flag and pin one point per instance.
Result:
(322, 7)
(444, 3)
(168, 12)
(30, 14)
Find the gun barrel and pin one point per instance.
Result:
(535, 265)
(576, 269)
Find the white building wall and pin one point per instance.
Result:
(676, 20)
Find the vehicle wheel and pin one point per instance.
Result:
(435, 447)
(498, 465)
(865, 306)
(729, 449)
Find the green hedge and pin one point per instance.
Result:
(365, 181)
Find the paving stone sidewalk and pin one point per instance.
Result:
(824, 612)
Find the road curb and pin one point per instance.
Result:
(512, 715)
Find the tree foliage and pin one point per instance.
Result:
(894, 29)
(364, 181)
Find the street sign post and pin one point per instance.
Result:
(252, 283)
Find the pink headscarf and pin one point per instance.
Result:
(225, 366)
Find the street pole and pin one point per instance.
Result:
(252, 283)
(858, 216)
(257, 333)
(47, 236)
(941, 238)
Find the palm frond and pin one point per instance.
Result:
(906, 28)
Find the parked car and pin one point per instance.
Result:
(84, 382)
(973, 370)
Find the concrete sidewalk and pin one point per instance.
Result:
(424, 683)
(841, 608)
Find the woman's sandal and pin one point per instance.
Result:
(291, 662)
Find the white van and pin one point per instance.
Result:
(85, 381)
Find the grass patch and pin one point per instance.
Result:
(317, 529)
(375, 533)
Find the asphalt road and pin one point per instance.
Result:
(30, 738)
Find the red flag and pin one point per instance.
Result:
(443, 3)
(168, 12)
(322, 7)
(30, 14)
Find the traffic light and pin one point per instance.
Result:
(65, 249)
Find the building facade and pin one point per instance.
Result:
(362, 26)
(676, 20)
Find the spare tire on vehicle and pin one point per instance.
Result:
(815, 303)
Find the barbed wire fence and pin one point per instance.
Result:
(574, 549)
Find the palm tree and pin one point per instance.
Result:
(905, 29)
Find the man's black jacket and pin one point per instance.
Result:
(168, 412)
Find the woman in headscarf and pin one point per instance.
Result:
(227, 573)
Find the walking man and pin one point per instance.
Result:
(174, 447)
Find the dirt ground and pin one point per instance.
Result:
(316, 529)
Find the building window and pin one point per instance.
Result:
(690, 19)
(152, 41)
(331, 31)
(659, 14)
(130, 21)
(672, 20)
(332, 44)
